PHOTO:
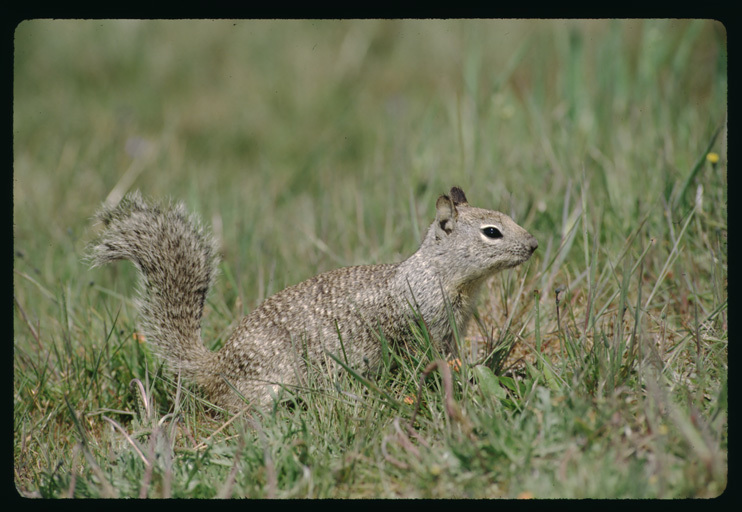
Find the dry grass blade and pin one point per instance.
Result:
(452, 409)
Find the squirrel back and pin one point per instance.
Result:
(343, 311)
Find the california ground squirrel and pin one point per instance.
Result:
(343, 311)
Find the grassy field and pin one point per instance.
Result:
(598, 369)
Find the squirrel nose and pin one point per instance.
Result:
(533, 244)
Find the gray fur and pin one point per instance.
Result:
(275, 344)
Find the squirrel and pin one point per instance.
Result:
(342, 311)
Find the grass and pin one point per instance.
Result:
(598, 369)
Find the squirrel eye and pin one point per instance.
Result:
(491, 232)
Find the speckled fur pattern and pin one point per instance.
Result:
(342, 312)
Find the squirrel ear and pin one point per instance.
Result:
(458, 196)
(445, 216)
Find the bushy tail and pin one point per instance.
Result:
(177, 260)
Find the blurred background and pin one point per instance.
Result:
(342, 133)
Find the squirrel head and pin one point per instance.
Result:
(476, 241)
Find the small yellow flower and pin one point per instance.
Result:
(139, 337)
(409, 400)
(455, 364)
(713, 158)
